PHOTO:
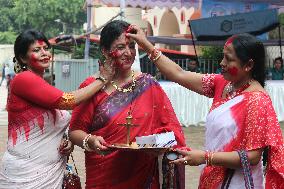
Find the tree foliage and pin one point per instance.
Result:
(18, 15)
(212, 52)
(274, 34)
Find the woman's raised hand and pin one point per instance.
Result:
(139, 36)
(106, 69)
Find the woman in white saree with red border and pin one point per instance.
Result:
(241, 124)
(247, 121)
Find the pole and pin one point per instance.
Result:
(87, 43)
(280, 43)
(193, 43)
(122, 9)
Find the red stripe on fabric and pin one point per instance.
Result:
(40, 122)
(27, 130)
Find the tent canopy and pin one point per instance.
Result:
(221, 27)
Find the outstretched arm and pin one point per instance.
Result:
(226, 159)
(170, 69)
(34, 89)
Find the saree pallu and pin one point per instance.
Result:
(245, 122)
(32, 159)
(152, 113)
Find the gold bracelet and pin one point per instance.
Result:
(211, 159)
(157, 57)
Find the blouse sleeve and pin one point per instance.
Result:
(208, 85)
(82, 114)
(35, 89)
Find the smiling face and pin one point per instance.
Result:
(38, 57)
(123, 52)
(232, 68)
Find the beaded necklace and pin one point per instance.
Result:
(125, 90)
(231, 92)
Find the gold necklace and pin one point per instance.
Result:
(129, 89)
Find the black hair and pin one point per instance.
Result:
(111, 32)
(280, 59)
(22, 44)
(248, 47)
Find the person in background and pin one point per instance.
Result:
(37, 120)
(97, 123)
(8, 76)
(241, 122)
(193, 66)
(277, 72)
(3, 74)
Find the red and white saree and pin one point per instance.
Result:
(245, 122)
(35, 130)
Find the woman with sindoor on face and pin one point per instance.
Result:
(241, 121)
(96, 123)
(37, 120)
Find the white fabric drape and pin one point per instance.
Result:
(192, 108)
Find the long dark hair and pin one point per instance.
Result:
(22, 44)
(111, 32)
(248, 47)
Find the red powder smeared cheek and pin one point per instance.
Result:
(115, 55)
(35, 64)
(233, 71)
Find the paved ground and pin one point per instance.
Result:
(194, 139)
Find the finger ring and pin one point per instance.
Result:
(98, 149)
(185, 161)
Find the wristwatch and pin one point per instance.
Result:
(101, 78)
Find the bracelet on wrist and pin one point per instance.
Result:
(85, 143)
(209, 158)
(154, 55)
(101, 78)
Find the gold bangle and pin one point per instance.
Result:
(211, 158)
(157, 57)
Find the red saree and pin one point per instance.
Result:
(151, 110)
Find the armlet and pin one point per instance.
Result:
(67, 101)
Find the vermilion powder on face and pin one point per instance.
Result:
(35, 64)
(233, 71)
(115, 54)
(40, 42)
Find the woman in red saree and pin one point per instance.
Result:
(37, 120)
(96, 123)
(241, 123)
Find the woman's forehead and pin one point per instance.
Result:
(122, 39)
(229, 48)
